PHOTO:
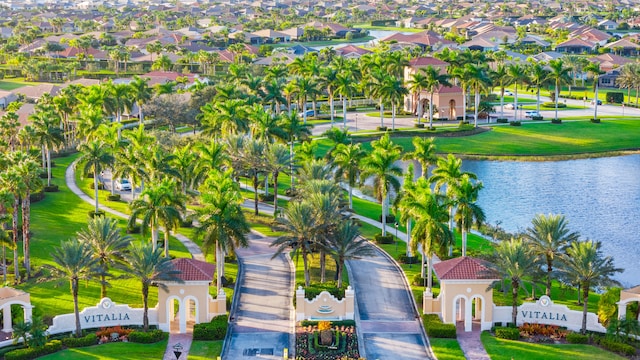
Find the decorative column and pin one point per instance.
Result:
(468, 321)
(183, 317)
(349, 296)
(300, 303)
(478, 309)
(6, 319)
(622, 311)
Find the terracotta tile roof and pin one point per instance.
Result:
(449, 90)
(633, 290)
(194, 270)
(464, 268)
(424, 61)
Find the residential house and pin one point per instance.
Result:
(269, 37)
(351, 51)
(294, 33)
(6, 98)
(609, 62)
(624, 47)
(576, 46)
(547, 56)
(34, 93)
(609, 79)
(608, 25)
(425, 39)
(480, 44)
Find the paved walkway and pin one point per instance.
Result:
(262, 317)
(70, 179)
(178, 343)
(470, 342)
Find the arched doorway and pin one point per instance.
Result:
(191, 312)
(175, 314)
(628, 296)
(452, 109)
(478, 308)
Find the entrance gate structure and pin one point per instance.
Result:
(628, 296)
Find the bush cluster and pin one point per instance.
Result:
(436, 329)
(595, 121)
(618, 347)
(502, 120)
(515, 123)
(551, 104)
(387, 239)
(556, 121)
(305, 323)
(37, 196)
(404, 259)
(509, 333)
(575, 338)
(537, 118)
(113, 197)
(52, 188)
(91, 339)
(615, 97)
(34, 352)
(315, 288)
(214, 330)
(93, 214)
(149, 337)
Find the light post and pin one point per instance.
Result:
(396, 238)
(356, 122)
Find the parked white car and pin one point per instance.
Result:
(531, 113)
(123, 185)
(509, 106)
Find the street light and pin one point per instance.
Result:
(356, 121)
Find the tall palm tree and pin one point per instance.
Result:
(424, 151)
(380, 164)
(140, 93)
(416, 85)
(467, 211)
(296, 131)
(347, 159)
(548, 237)
(429, 211)
(594, 69)
(559, 74)
(347, 244)
(584, 261)
(155, 204)
(513, 262)
(329, 79)
(264, 126)
(300, 226)
(74, 261)
(304, 88)
(433, 81)
(12, 183)
(538, 76)
(151, 268)
(107, 245)
(478, 81)
(96, 158)
(212, 156)
(254, 164)
(345, 87)
(48, 134)
(501, 80)
(393, 91)
(517, 74)
(28, 171)
(223, 226)
(277, 160)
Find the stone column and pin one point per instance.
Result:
(6, 319)
(349, 296)
(183, 317)
(478, 309)
(468, 320)
(28, 309)
(300, 303)
(172, 311)
(622, 311)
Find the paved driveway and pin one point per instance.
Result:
(387, 319)
(262, 320)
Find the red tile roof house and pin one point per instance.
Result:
(576, 46)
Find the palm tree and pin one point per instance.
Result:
(223, 226)
(264, 125)
(151, 268)
(49, 135)
(380, 165)
(424, 151)
(433, 81)
(305, 87)
(107, 244)
(516, 74)
(347, 159)
(416, 85)
(559, 74)
(548, 237)
(296, 131)
(96, 158)
(513, 262)
(212, 156)
(392, 90)
(277, 160)
(467, 211)
(478, 80)
(329, 78)
(254, 163)
(347, 244)
(501, 80)
(12, 183)
(594, 68)
(74, 261)
(584, 262)
(429, 210)
(345, 88)
(156, 203)
(140, 93)
(538, 76)
(300, 226)
(28, 171)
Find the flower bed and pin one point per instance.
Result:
(344, 344)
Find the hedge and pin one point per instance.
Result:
(575, 338)
(149, 337)
(509, 333)
(333, 323)
(214, 330)
(91, 339)
(615, 97)
(113, 197)
(34, 352)
(551, 104)
(436, 329)
(515, 123)
(618, 347)
(387, 239)
(93, 214)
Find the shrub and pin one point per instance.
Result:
(265, 198)
(502, 120)
(618, 347)
(34, 352)
(615, 97)
(431, 318)
(390, 219)
(92, 214)
(417, 280)
(537, 118)
(52, 188)
(515, 123)
(509, 333)
(315, 288)
(214, 330)
(381, 128)
(135, 229)
(419, 126)
(556, 121)
(404, 259)
(100, 186)
(113, 197)
(91, 339)
(575, 338)
(186, 223)
(595, 121)
(149, 337)
(336, 324)
(37, 196)
(387, 239)
(551, 104)
(442, 331)
(116, 329)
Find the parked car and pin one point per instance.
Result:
(593, 102)
(532, 113)
(509, 106)
(508, 93)
(123, 185)
(311, 113)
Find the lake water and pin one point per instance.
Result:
(599, 197)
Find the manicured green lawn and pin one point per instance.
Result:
(115, 351)
(9, 85)
(499, 349)
(201, 350)
(57, 218)
(447, 349)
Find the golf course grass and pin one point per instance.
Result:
(113, 351)
(500, 349)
